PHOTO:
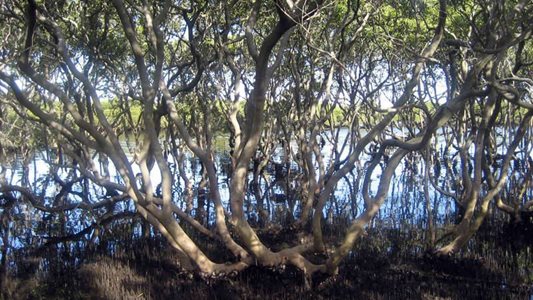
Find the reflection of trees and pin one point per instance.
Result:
(317, 77)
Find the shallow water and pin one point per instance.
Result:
(404, 211)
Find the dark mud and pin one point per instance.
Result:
(377, 269)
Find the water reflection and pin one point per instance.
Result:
(275, 197)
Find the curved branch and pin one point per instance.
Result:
(80, 234)
(37, 202)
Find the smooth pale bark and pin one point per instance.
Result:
(188, 183)
(254, 119)
(247, 149)
(430, 234)
(373, 205)
(329, 187)
(206, 159)
(467, 229)
(189, 247)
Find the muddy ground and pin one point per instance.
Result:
(379, 268)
